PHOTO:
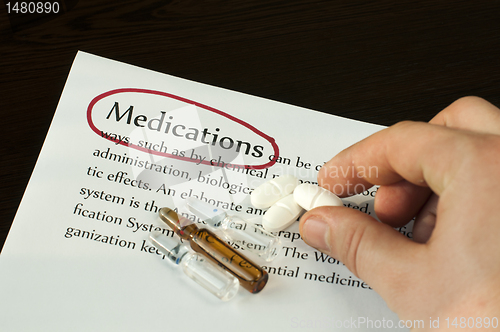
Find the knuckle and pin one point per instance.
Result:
(403, 124)
(470, 100)
(462, 107)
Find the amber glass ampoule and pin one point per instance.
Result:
(251, 276)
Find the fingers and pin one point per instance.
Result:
(368, 248)
(470, 113)
(396, 204)
(400, 157)
(422, 154)
(409, 161)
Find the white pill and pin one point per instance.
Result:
(310, 196)
(282, 214)
(272, 191)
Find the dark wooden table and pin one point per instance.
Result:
(376, 61)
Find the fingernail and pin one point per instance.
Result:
(317, 233)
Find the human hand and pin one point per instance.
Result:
(448, 173)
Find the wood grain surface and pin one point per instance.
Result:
(376, 61)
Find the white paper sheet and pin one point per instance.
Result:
(56, 277)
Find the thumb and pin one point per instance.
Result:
(373, 251)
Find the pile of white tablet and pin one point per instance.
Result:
(287, 199)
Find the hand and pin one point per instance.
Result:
(448, 173)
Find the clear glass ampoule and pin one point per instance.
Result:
(210, 276)
(251, 276)
(244, 234)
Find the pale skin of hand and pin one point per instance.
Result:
(447, 172)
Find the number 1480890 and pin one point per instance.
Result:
(32, 7)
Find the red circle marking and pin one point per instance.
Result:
(168, 155)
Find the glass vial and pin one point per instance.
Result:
(245, 235)
(210, 276)
(251, 276)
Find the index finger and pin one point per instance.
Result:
(421, 153)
